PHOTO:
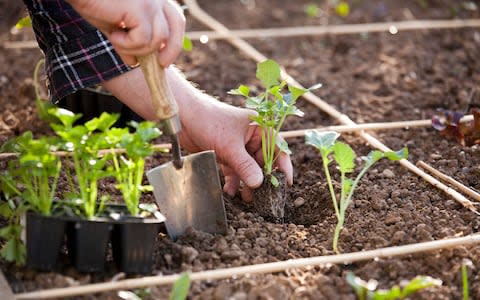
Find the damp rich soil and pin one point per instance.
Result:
(369, 77)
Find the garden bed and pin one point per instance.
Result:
(369, 77)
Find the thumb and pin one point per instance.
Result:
(246, 167)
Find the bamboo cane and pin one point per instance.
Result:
(156, 147)
(272, 267)
(336, 29)
(253, 53)
(368, 126)
(461, 187)
(297, 31)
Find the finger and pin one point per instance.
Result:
(129, 60)
(284, 164)
(247, 194)
(232, 181)
(138, 39)
(246, 167)
(176, 26)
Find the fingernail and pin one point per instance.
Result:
(255, 180)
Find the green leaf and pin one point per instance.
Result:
(14, 251)
(65, 116)
(283, 146)
(418, 283)
(5, 210)
(187, 44)
(24, 22)
(274, 181)
(323, 141)
(180, 288)
(344, 156)
(391, 294)
(311, 10)
(373, 157)
(242, 90)
(397, 155)
(102, 123)
(342, 9)
(268, 73)
(296, 92)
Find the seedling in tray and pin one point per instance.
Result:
(272, 107)
(85, 141)
(344, 156)
(129, 169)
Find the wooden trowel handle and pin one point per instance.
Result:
(164, 103)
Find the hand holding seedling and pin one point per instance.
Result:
(137, 28)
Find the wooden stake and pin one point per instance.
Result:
(464, 189)
(272, 267)
(336, 29)
(253, 53)
(157, 147)
(297, 31)
(368, 126)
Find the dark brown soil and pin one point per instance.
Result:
(269, 200)
(369, 77)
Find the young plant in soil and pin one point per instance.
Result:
(465, 133)
(85, 141)
(128, 170)
(344, 156)
(368, 290)
(272, 107)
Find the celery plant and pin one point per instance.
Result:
(129, 169)
(85, 141)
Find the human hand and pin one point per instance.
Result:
(237, 143)
(137, 28)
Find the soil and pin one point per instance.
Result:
(369, 77)
(269, 200)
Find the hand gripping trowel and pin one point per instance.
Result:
(187, 189)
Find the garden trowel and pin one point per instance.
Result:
(187, 189)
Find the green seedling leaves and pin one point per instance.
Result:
(268, 73)
(24, 22)
(187, 44)
(102, 123)
(242, 90)
(368, 290)
(283, 146)
(323, 141)
(14, 251)
(312, 10)
(66, 117)
(342, 9)
(180, 288)
(344, 156)
(274, 181)
(418, 283)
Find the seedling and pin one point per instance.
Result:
(180, 288)
(465, 133)
(368, 290)
(272, 107)
(84, 141)
(35, 175)
(466, 263)
(129, 169)
(344, 156)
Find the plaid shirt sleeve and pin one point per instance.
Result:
(77, 55)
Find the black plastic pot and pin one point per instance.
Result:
(92, 102)
(133, 242)
(87, 242)
(44, 239)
